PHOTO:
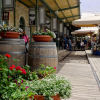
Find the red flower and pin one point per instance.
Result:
(7, 55)
(55, 68)
(26, 87)
(12, 67)
(0, 68)
(23, 71)
(18, 68)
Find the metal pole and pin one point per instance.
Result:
(15, 14)
(51, 20)
(30, 34)
(99, 35)
(40, 27)
(1, 12)
(58, 36)
(37, 15)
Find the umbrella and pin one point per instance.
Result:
(88, 22)
(84, 31)
(92, 21)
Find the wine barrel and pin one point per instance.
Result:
(15, 48)
(42, 53)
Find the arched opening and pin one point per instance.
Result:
(22, 23)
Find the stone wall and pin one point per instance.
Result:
(11, 21)
(20, 11)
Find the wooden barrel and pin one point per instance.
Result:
(42, 53)
(15, 48)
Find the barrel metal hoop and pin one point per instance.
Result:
(44, 56)
(43, 46)
(11, 39)
(12, 43)
(12, 52)
(43, 43)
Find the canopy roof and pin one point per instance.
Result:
(93, 21)
(68, 9)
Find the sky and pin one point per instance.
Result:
(89, 8)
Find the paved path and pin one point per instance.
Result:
(76, 57)
(84, 85)
(62, 53)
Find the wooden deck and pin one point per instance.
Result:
(95, 64)
(84, 85)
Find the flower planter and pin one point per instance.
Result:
(56, 97)
(9, 34)
(40, 97)
(41, 38)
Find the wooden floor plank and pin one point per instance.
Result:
(84, 85)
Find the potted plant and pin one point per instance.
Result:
(51, 88)
(43, 35)
(10, 32)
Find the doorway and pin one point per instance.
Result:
(22, 23)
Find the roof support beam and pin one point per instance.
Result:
(42, 1)
(31, 2)
(70, 9)
(70, 16)
(60, 8)
(66, 8)
(23, 3)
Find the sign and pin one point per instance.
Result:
(32, 16)
(65, 30)
(54, 24)
(42, 14)
(8, 4)
(61, 27)
(5, 16)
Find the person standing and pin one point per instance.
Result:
(70, 44)
(65, 42)
(93, 42)
(79, 44)
(85, 42)
(26, 39)
(82, 45)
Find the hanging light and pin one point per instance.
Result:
(57, 12)
(63, 20)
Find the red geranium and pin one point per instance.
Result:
(12, 67)
(55, 68)
(23, 71)
(0, 68)
(18, 68)
(7, 55)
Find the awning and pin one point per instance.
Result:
(68, 10)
